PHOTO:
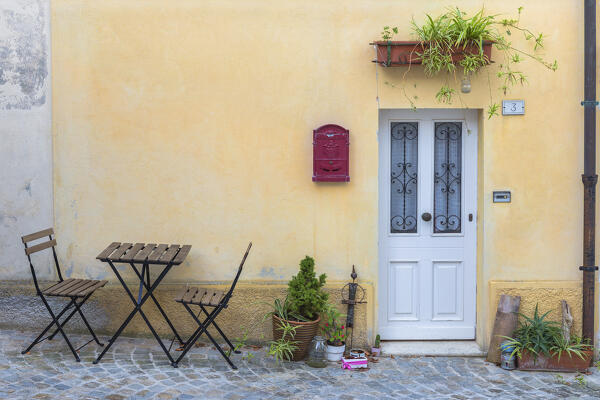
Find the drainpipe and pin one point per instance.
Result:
(589, 176)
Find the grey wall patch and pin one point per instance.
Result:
(23, 55)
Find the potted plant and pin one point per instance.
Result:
(376, 349)
(540, 345)
(283, 345)
(334, 330)
(452, 41)
(302, 308)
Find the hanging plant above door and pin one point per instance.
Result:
(453, 44)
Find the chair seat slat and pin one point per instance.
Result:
(85, 285)
(207, 296)
(198, 297)
(216, 299)
(92, 289)
(74, 287)
(190, 294)
(66, 290)
(59, 288)
(180, 294)
(54, 286)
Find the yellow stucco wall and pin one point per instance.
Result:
(190, 122)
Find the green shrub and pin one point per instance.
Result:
(305, 291)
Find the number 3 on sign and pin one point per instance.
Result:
(513, 107)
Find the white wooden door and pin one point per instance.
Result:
(427, 224)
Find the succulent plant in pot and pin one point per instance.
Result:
(335, 331)
(376, 349)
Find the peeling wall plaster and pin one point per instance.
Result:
(25, 132)
(23, 54)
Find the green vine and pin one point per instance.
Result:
(443, 38)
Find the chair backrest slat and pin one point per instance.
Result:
(37, 235)
(239, 272)
(41, 246)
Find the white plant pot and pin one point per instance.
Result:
(335, 353)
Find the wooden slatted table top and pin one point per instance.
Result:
(150, 253)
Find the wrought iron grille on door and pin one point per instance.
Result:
(404, 152)
(447, 177)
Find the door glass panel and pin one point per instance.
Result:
(404, 146)
(447, 177)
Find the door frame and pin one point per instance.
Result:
(470, 118)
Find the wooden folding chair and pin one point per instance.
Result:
(217, 299)
(77, 290)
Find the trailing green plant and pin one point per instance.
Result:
(386, 34)
(283, 348)
(333, 327)
(238, 343)
(538, 335)
(305, 292)
(454, 34)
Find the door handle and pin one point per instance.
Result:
(426, 216)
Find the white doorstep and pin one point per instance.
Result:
(459, 348)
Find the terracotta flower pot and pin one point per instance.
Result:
(305, 332)
(398, 53)
(574, 363)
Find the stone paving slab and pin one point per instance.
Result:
(136, 368)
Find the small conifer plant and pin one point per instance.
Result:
(305, 291)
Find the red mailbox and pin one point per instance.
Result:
(331, 145)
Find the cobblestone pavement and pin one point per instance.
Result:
(137, 369)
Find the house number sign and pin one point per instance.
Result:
(513, 107)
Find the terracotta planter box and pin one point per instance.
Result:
(399, 53)
(304, 335)
(527, 362)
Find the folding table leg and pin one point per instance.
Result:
(138, 308)
(156, 303)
